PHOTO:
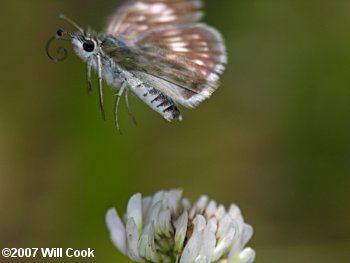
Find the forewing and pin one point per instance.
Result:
(187, 59)
(137, 16)
(168, 48)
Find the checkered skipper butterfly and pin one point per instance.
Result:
(158, 50)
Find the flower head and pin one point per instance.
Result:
(164, 228)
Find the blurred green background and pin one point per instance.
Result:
(274, 138)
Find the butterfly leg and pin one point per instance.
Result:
(89, 89)
(119, 94)
(128, 107)
(99, 75)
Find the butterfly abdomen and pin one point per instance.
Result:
(155, 99)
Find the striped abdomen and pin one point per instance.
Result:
(157, 100)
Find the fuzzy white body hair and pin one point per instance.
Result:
(114, 75)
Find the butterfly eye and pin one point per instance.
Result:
(89, 46)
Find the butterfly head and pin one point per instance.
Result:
(85, 43)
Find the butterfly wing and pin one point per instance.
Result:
(187, 59)
(137, 16)
(178, 56)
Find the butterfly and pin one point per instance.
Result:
(158, 49)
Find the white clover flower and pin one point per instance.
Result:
(165, 229)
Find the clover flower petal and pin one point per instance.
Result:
(164, 228)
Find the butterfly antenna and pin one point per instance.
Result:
(60, 52)
(70, 21)
(128, 107)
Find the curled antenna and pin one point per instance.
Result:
(60, 52)
(70, 21)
